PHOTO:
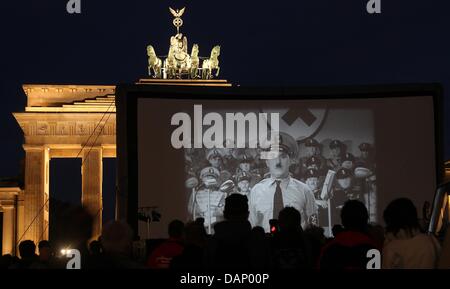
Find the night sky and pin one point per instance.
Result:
(273, 43)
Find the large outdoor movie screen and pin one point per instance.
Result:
(310, 154)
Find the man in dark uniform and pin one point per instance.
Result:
(314, 182)
(246, 165)
(366, 158)
(313, 163)
(344, 190)
(337, 150)
(312, 147)
(215, 160)
(348, 161)
(243, 181)
(312, 150)
(317, 163)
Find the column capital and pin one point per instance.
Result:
(6, 205)
(35, 148)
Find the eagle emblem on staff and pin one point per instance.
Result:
(178, 22)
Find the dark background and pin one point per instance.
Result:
(276, 43)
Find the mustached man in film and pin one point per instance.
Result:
(279, 189)
(287, 180)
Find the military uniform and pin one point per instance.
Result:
(367, 161)
(244, 176)
(224, 174)
(334, 163)
(341, 195)
(270, 193)
(214, 153)
(311, 142)
(316, 163)
(299, 170)
(254, 175)
(322, 211)
(348, 161)
(208, 202)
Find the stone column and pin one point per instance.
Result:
(92, 179)
(36, 197)
(8, 229)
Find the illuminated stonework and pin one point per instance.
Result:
(11, 206)
(65, 121)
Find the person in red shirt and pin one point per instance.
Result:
(162, 255)
(348, 250)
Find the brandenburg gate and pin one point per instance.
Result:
(64, 121)
(79, 121)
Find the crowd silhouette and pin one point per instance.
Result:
(236, 246)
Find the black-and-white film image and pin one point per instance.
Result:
(326, 156)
